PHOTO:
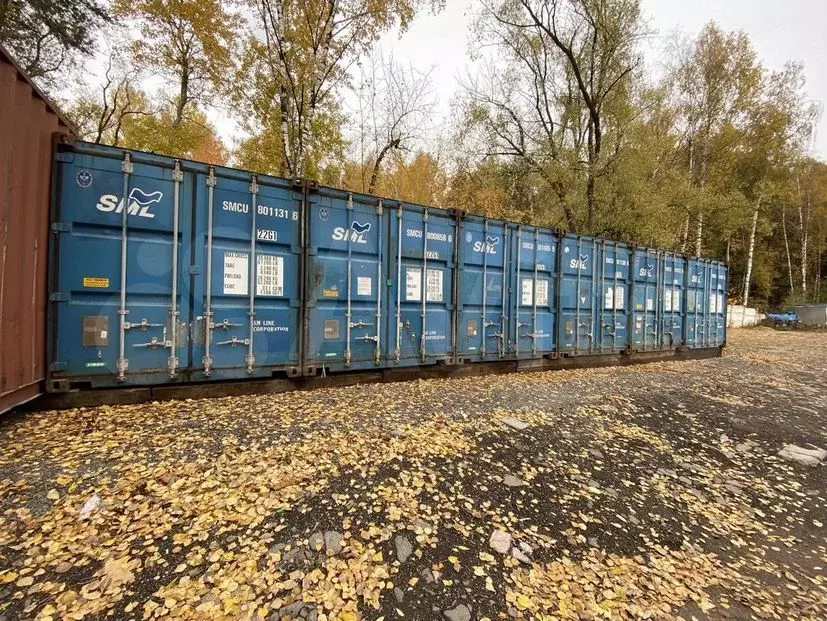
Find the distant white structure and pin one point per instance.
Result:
(812, 314)
(738, 316)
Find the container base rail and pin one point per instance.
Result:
(76, 398)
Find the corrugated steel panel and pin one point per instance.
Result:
(210, 284)
(28, 122)
(482, 298)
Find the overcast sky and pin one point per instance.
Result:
(779, 31)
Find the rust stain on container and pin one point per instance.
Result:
(28, 123)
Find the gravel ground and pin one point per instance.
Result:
(648, 492)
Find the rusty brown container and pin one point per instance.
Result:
(28, 123)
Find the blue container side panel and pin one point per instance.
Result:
(533, 257)
(612, 321)
(348, 240)
(578, 295)
(421, 300)
(90, 207)
(673, 299)
(482, 308)
(267, 266)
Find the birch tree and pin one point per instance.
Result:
(296, 66)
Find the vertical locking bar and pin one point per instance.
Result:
(208, 314)
(534, 298)
(518, 296)
(708, 288)
(659, 300)
(250, 359)
(123, 364)
(484, 284)
(397, 353)
(594, 297)
(177, 177)
(379, 287)
(614, 297)
(503, 304)
(424, 291)
(672, 304)
(350, 234)
(577, 301)
(602, 299)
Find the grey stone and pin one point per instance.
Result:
(500, 541)
(593, 542)
(403, 548)
(808, 457)
(520, 556)
(697, 494)
(526, 548)
(513, 481)
(460, 613)
(596, 453)
(634, 520)
(399, 594)
(295, 555)
(333, 541)
(90, 506)
(291, 610)
(313, 615)
(515, 423)
(316, 542)
(427, 576)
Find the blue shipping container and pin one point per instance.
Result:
(167, 271)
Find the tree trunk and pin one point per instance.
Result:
(787, 248)
(685, 234)
(699, 235)
(591, 201)
(728, 251)
(751, 254)
(377, 165)
(284, 110)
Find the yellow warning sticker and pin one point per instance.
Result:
(331, 293)
(96, 283)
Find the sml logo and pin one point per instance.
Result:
(489, 246)
(581, 263)
(648, 271)
(356, 233)
(139, 203)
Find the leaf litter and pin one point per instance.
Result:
(651, 492)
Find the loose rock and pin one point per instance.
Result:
(500, 541)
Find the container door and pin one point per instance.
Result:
(648, 274)
(612, 321)
(346, 280)
(422, 304)
(248, 250)
(672, 316)
(121, 280)
(722, 304)
(577, 301)
(534, 278)
(696, 303)
(482, 294)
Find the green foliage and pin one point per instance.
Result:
(45, 35)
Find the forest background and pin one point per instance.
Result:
(557, 120)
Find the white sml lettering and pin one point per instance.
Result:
(485, 247)
(579, 264)
(235, 207)
(340, 233)
(111, 203)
